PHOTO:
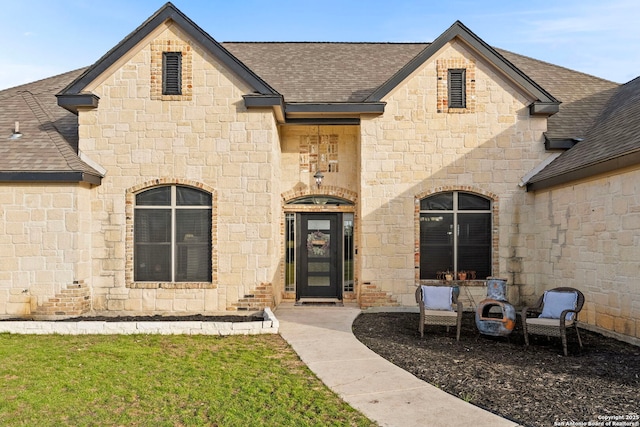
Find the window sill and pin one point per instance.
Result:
(470, 283)
(172, 285)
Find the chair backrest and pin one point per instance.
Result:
(440, 292)
(554, 313)
(579, 302)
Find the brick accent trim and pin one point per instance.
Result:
(261, 297)
(373, 296)
(495, 222)
(74, 300)
(325, 190)
(172, 45)
(443, 66)
(129, 208)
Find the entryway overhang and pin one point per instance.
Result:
(314, 113)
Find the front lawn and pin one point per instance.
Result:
(159, 380)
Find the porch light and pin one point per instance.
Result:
(319, 177)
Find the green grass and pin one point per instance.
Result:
(158, 380)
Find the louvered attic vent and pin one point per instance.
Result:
(172, 73)
(457, 88)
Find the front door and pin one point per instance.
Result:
(319, 249)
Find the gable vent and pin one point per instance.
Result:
(457, 88)
(172, 73)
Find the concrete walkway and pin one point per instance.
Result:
(383, 392)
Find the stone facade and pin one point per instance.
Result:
(44, 234)
(203, 140)
(416, 149)
(69, 248)
(587, 238)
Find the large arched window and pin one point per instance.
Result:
(455, 235)
(172, 235)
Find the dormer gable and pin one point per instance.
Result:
(76, 95)
(545, 104)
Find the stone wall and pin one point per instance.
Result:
(206, 139)
(418, 148)
(298, 170)
(43, 235)
(588, 237)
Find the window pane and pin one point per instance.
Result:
(319, 224)
(152, 226)
(193, 225)
(469, 202)
(193, 262)
(348, 267)
(152, 262)
(155, 197)
(290, 254)
(193, 241)
(474, 244)
(186, 196)
(439, 202)
(436, 244)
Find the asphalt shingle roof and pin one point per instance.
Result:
(331, 72)
(615, 132)
(324, 72)
(49, 133)
(582, 95)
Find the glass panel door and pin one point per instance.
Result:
(319, 250)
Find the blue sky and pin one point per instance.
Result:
(48, 37)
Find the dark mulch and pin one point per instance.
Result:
(534, 386)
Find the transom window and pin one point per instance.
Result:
(455, 235)
(172, 235)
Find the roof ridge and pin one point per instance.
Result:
(10, 91)
(320, 42)
(556, 65)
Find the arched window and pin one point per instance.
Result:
(172, 235)
(455, 235)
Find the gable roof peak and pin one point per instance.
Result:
(73, 96)
(545, 102)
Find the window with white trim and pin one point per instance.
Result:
(172, 235)
(455, 235)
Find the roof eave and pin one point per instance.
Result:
(339, 113)
(551, 144)
(336, 109)
(72, 102)
(50, 177)
(275, 101)
(547, 109)
(588, 171)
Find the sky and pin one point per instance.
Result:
(43, 38)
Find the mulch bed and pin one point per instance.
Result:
(533, 386)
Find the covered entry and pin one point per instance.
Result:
(319, 255)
